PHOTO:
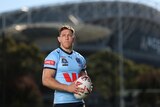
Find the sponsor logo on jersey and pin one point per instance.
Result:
(72, 77)
(64, 62)
(49, 62)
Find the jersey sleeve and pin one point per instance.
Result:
(83, 63)
(51, 61)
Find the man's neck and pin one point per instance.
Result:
(69, 51)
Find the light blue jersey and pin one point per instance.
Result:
(68, 67)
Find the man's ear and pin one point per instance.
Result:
(58, 38)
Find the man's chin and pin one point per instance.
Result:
(68, 47)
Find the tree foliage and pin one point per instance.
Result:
(21, 67)
(103, 67)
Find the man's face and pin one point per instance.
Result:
(66, 39)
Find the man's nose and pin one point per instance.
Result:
(67, 37)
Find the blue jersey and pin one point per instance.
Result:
(68, 67)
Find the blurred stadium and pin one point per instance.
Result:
(127, 27)
(97, 25)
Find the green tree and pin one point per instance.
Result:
(21, 66)
(149, 84)
(104, 71)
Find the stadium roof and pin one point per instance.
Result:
(139, 25)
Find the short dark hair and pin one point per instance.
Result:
(67, 27)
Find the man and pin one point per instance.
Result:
(62, 67)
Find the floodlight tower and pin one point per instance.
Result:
(4, 60)
(29, 14)
(121, 58)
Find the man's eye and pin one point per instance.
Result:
(66, 35)
(63, 35)
(70, 35)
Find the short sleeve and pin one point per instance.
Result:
(83, 63)
(51, 60)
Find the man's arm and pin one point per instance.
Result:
(50, 82)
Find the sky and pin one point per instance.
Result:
(11, 5)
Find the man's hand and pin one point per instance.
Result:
(72, 88)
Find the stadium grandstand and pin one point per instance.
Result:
(98, 26)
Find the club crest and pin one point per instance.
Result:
(78, 61)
